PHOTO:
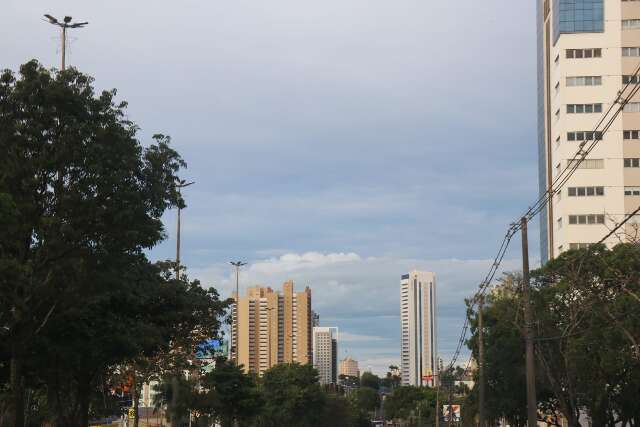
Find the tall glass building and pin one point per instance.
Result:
(588, 50)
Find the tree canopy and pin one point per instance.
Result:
(586, 305)
(81, 201)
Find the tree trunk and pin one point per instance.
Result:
(135, 394)
(83, 417)
(17, 387)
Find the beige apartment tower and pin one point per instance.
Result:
(349, 367)
(270, 327)
(588, 50)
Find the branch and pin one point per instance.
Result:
(45, 320)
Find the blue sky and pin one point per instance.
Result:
(336, 143)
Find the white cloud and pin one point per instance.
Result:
(293, 262)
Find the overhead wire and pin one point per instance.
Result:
(556, 186)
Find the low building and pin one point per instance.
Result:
(349, 367)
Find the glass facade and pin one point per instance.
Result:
(542, 159)
(577, 16)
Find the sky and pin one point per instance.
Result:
(337, 143)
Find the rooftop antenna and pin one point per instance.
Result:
(66, 23)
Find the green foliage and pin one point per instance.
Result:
(504, 350)
(81, 201)
(391, 380)
(406, 402)
(367, 399)
(229, 394)
(293, 397)
(586, 306)
(370, 380)
(341, 412)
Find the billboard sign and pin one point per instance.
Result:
(448, 409)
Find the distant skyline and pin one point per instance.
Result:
(337, 144)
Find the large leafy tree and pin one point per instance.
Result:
(588, 322)
(367, 399)
(411, 403)
(229, 394)
(586, 306)
(80, 201)
(504, 352)
(293, 397)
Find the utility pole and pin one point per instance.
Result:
(481, 378)
(66, 23)
(438, 397)
(234, 334)
(179, 186)
(450, 423)
(532, 405)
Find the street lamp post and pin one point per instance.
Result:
(234, 334)
(66, 23)
(179, 186)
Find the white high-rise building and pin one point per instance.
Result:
(588, 50)
(325, 354)
(419, 354)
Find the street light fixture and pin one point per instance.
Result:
(237, 265)
(180, 185)
(66, 23)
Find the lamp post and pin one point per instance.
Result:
(180, 185)
(234, 334)
(66, 23)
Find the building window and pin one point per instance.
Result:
(583, 136)
(631, 51)
(586, 164)
(577, 16)
(631, 134)
(574, 246)
(584, 108)
(631, 163)
(586, 219)
(630, 79)
(584, 53)
(559, 223)
(584, 81)
(630, 24)
(632, 107)
(585, 191)
(632, 191)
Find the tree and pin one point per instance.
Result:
(81, 201)
(504, 350)
(367, 399)
(370, 380)
(587, 328)
(586, 311)
(392, 379)
(407, 402)
(341, 412)
(229, 394)
(293, 397)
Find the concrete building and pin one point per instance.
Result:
(349, 367)
(587, 51)
(419, 345)
(325, 354)
(269, 327)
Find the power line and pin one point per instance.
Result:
(551, 191)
